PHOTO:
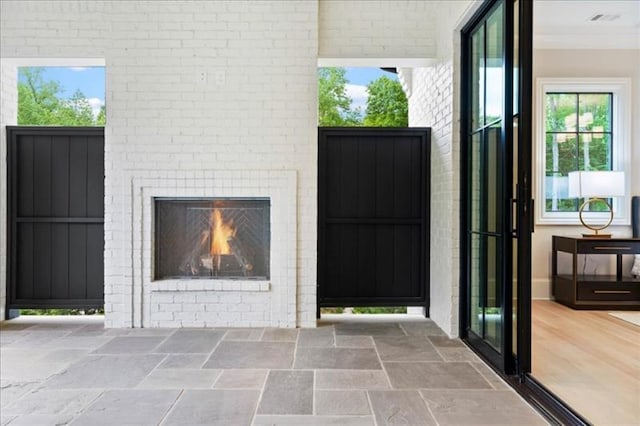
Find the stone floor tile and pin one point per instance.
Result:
(244, 334)
(217, 407)
(316, 337)
(241, 379)
(351, 379)
(400, 407)
(129, 345)
(58, 401)
(39, 339)
(369, 329)
(8, 338)
(191, 341)
(434, 375)
(428, 328)
(280, 334)
(30, 370)
(490, 375)
(5, 420)
(252, 355)
(314, 420)
(342, 402)
(129, 406)
(91, 330)
(406, 348)
(139, 332)
(287, 392)
(11, 391)
(446, 342)
(79, 342)
(458, 354)
(64, 355)
(9, 326)
(105, 371)
(354, 341)
(474, 407)
(179, 379)
(184, 361)
(337, 358)
(42, 419)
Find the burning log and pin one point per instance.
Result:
(193, 262)
(237, 252)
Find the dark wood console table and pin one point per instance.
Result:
(578, 291)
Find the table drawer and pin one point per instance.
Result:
(608, 247)
(609, 291)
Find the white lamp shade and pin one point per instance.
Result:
(596, 184)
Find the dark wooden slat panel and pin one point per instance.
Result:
(402, 189)
(365, 176)
(403, 257)
(376, 221)
(78, 176)
(60, 220)
(384, 263)
(60, 261)
(24, 189)
(50, 258)
(24, 264)
(42, 176)
(384, 183)
(365, 257)
(416, 178)
(372, 237)
(95, 261)
(78, 261)
(95, 177)
(341, 247)
(340, 173)
(42, 261)
(60, 176)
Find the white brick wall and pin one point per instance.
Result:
(224, 85)
(231, 85)
(8, 116)
(378, 29)
(431, 104)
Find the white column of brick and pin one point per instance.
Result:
(8, 116)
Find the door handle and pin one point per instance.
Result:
(513, 217)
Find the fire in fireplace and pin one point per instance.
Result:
(212, 238)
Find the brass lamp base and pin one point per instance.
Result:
(603, 236)
(596, 229)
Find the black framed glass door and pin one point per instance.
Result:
(496, 167)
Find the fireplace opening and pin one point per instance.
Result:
(212, 238)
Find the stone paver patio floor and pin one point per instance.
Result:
(389, 370)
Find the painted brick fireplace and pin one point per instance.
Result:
(211, 301)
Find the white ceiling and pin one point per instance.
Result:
(566, 24)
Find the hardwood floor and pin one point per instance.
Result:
(590, 359)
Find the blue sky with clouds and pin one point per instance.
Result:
(89, 80)
(358, 78)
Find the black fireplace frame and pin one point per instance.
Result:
(266, 236)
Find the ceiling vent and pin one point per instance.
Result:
(602, 17)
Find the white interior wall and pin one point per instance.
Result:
(585, 63)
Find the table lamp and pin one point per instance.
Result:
(596, 187)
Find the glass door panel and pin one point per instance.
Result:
(495, 189)
(485, 155)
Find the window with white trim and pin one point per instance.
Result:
(581, 124)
